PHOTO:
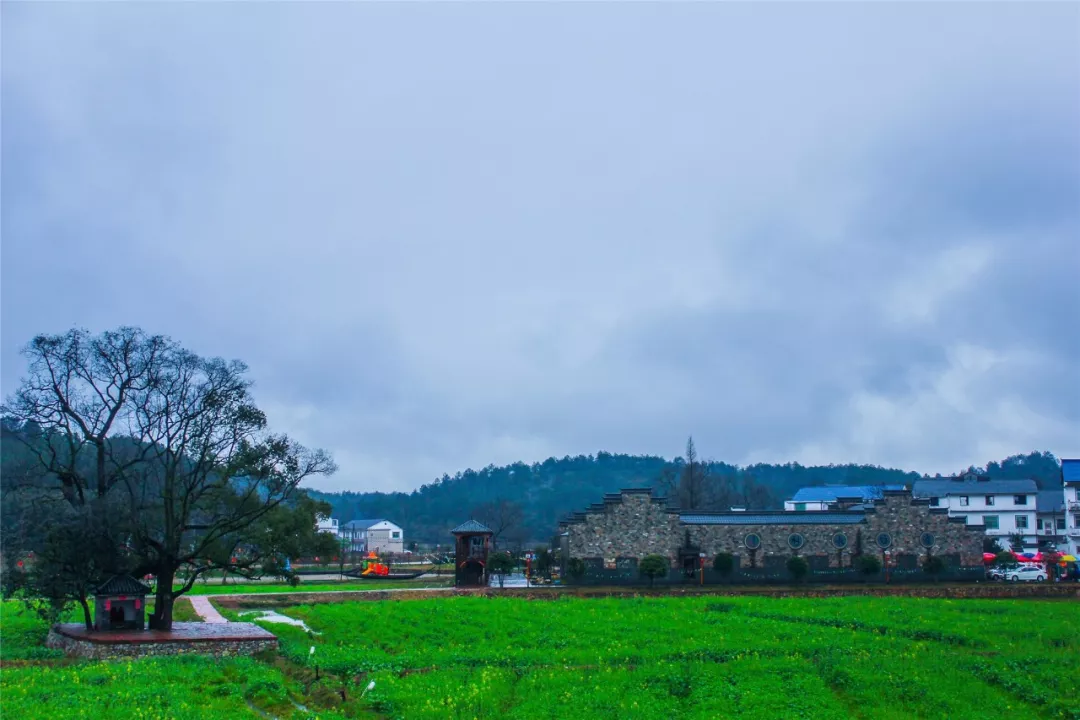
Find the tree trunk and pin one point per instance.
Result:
(163, 600)
(88, 618)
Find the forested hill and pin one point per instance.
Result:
(548, 491)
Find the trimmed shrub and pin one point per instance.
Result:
(798, 567)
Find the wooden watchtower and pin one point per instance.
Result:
(472, 542)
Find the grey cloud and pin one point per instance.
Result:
(449, 235)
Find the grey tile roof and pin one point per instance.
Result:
(470, 526)
(361, 524)
(122, 585)
(1050, 501)
(957, 486)
(780, 518)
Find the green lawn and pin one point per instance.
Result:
(216, 588)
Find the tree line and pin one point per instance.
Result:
(535, 497)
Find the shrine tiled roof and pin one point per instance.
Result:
(122, 585)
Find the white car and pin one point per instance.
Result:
(1028, 573)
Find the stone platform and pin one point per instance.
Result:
(186, 638)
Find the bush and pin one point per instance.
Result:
(798, 567)
(868, 564)
(933, 565)
(724, 563)
(1004, 558)
(576, 568)
(653, 566)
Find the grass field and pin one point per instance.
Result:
(693, 657)
(216, 588)
(702, 657)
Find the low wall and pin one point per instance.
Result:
(76, 642)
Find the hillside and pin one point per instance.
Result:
(550, 490)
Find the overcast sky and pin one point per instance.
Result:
(445, 235)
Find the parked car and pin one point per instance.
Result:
(1027, 573)
(1001, 572)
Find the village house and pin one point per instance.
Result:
(372, 535)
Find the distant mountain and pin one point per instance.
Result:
(550, 490)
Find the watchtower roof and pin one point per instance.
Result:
(471, 526)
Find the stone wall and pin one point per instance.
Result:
(102, 650)
(632, 525)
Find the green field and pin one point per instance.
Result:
(702, 657)
(693, 657)
(216, 588)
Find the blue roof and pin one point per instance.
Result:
(780, 518)
(830, 493)
(1070, 471)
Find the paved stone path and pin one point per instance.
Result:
(205, 610)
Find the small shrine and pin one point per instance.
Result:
(120, 604)
(472, 544)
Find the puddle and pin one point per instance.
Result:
(272, 616)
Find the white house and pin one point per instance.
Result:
(373, 535)
(327, 524)
(1001, 507)
(1070, 476)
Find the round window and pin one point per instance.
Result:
(927, 540)
(796, 541)
(752, 541)
(839, 541)
(884, 540)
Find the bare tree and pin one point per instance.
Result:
(691, 484)
(176, 446)
(505, 518)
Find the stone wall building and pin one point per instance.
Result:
(631, 524)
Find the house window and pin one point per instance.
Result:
(963, 500)
(799, 507)
(989, 499)
(1061, 523)
(934, 502)
(395, 534)
(990, 522)
(1020, 499)
(1021, 522)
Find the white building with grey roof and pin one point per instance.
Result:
(1004, 508)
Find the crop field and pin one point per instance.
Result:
(689, 657)
(701, 657)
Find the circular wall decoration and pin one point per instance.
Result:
(927, 540)
(795, 541)
(839, 541)
(884, 540)
(752, 541)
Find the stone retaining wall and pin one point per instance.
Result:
(105, 650)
